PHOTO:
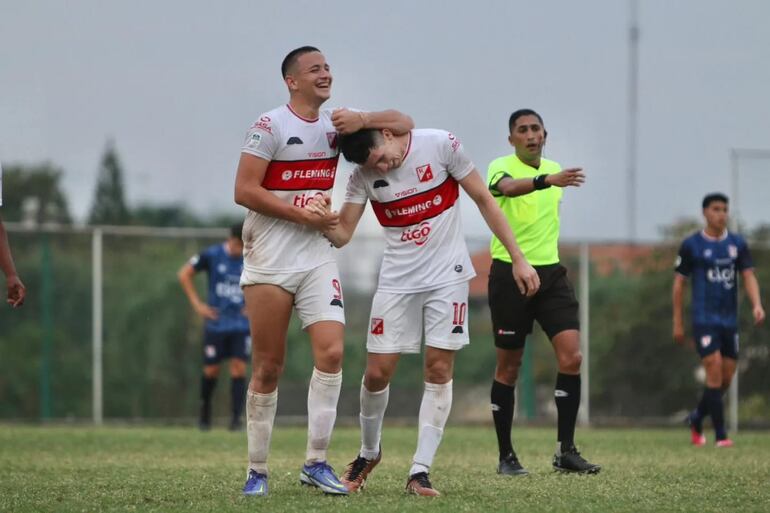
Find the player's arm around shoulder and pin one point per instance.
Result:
(347, 121)
(525, 275)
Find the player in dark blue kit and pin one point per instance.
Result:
(226, 332)
(713, 258)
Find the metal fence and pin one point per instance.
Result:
(107, 334)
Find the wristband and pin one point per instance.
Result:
(539, 182)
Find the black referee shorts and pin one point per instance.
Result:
(554, 306)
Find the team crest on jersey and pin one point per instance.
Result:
(425, 173)
(732, 250)
(222, 268)
(378, 326)
(332, 138)
(705, 341)
(707, 253)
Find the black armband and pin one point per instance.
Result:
(539, 182)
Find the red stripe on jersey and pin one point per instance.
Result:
(297, 175)
(418, 207)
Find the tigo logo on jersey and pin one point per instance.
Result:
(418, 234)
(425, 173)
(332, 138)
(725, 276)
(378, 326)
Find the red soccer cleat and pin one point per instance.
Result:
(697, 439)
(724, 443)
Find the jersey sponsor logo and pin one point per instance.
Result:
(402, 194)
(725, 276)
(732, 250)
(316, 154)
(424, 173)
(705, 341)
(378, 326)
(505, 332)
(331, 137)
(418, 234)
(380, 183)
(294, 140)
(282, 175)
(253, 141)
(231, 291)
(455, 142)
(263, 124)
(300, 200)
(414, 209)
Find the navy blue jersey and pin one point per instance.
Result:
(224, 291)
(714, 265)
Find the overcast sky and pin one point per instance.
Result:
(176, 84)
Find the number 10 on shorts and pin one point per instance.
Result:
(460, 310)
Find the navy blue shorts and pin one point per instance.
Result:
(218, 346)
(709, 339)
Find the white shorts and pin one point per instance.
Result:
(317, 292)
(398, 321)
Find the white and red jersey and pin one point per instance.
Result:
(303, 158)
(417, 205)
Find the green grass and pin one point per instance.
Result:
(171, 469)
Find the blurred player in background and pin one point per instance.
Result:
(16, 290)
(528, 189)
(226, 332)
(413, 182)
(290, 156)
(713, 258)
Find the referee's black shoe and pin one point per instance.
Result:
(569, 460)
(510, 466)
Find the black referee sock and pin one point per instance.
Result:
(207, 390)
(567, 397)
(502, 412)
(238, 396)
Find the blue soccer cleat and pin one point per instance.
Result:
(322, 476)
(256, 484)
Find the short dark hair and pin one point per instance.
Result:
(714, 196)
(523, 112)
(292, 56)
(357, 146)
(236, 231)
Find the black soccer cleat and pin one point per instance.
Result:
(570, 460)
(510, 466)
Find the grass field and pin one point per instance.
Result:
(172, 469)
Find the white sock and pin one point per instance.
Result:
(260, 414)
(373, 405)
(322, 397)
(434, 412)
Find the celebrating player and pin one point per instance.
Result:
(529, 189)
(413, 182)
(226, 332)
(714, 257)
(289, 156)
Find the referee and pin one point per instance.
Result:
(529, 189)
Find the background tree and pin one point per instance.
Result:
(109, 205)
(39, 187)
